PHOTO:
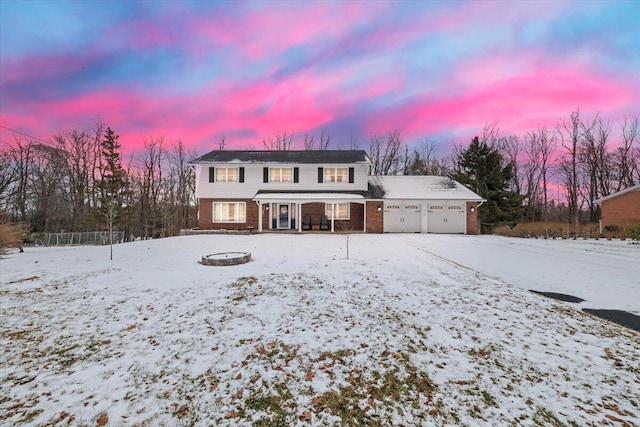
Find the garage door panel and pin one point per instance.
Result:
(402, 217)
(446, 217)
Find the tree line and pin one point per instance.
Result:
(79, 182)
(75, 181)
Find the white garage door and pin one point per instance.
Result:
(402, 216)
(446, 217)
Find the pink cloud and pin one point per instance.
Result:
(519, 96)
(272, 30)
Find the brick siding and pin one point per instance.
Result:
(205, 216)
(621, 210)
(472, 218)
(374, 217)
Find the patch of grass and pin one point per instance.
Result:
(545, 417)
(244, 281)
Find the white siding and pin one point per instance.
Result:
(253, 182)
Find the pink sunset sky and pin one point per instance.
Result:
(195, 71)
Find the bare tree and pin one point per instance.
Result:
(385, 153)
(325, 140)
(150, 186)
(626, 158)
(80, 151)
(424, 160)
(491, 134)
(510, 148)
(595, 159)
(222, 142)
(354, 144)
(8, 173)
(278, 142)
(22, 157)
(571, 133)
(309, 141)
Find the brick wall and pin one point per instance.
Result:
(355, 223)
(472, 218)
(374, 217)
(205, 215)
(621, 210)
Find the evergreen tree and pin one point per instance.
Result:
(482, 169)
(113, 184)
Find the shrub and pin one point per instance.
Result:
(551, 230)
(633, 233)
(502, 230)
(11, 235)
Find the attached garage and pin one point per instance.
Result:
(427, 204)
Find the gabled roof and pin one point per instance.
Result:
(423, 187)
(619, 193)
(295, 156)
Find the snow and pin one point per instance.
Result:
(423, 188)
(411, 330)
(320, 197)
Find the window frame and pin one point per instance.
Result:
(331, 175)
(226, 174)
(240, 213)
(327, 211)
(280, 175)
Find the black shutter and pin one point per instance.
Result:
(212, 174)
(320, 175)
(265, 174)
(351, 175)
(296, 174)
(241, 177)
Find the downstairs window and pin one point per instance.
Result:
(229, 212)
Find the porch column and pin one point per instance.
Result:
(364, 227)
(333, 209)
(259, 216)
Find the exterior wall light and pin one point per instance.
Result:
(379, 208)
(473, 209)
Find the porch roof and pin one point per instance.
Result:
(309, 197)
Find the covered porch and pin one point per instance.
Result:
(311, 211)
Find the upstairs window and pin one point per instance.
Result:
(226, 174)
(280, 174)
(336, 174)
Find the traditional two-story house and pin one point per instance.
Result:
(324, 190)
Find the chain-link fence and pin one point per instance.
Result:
(85, 238)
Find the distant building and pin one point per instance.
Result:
(621, 208)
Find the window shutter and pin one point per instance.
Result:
(212, 174)
(265, 174)
(296, 174)
(241, 175)
(320, 175)
(351, 175)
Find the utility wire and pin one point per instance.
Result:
(25, 134)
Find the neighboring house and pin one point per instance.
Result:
(325, 190)
(621, 208)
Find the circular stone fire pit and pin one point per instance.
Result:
(226, 258)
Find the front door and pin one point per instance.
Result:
(283, 216)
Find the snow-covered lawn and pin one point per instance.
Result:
(410, 330)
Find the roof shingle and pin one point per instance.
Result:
(296, 156)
